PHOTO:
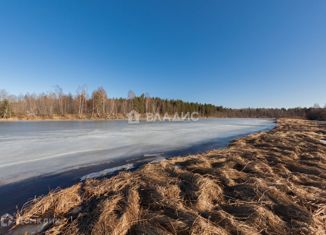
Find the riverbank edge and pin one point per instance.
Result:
(137, 179)
(43, 184)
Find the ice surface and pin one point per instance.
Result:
(30, 149)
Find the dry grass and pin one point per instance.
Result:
(266, 183)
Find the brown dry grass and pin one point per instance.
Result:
(266, 183)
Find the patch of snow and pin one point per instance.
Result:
(323, 141)
(30, 228)
(106, 172)
(153, 154)
(159, 159)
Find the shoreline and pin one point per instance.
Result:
(43, 184)
(270, 181)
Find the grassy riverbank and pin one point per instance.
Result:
(273, 182)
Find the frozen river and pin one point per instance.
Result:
(29, 149)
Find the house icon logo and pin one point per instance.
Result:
(6, 220)
(133, 117)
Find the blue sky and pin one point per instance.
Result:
(230, 53)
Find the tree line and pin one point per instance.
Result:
(97, 104)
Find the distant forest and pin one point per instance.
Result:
(57, 104)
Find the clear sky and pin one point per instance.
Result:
(264, 53)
